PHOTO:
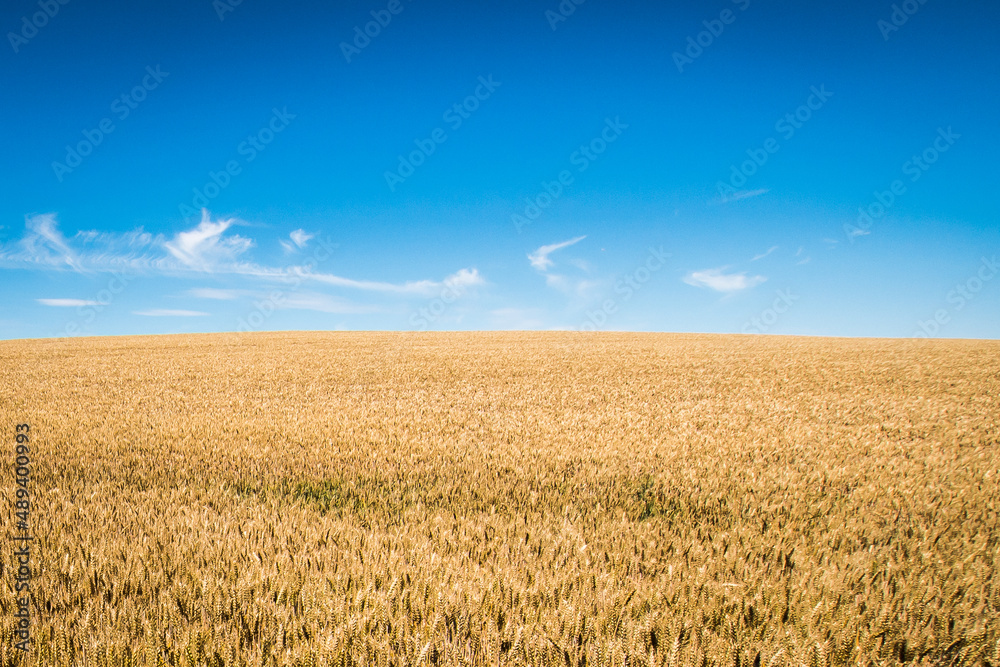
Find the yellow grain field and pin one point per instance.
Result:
(545, 499)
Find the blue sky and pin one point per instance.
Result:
(727, 166)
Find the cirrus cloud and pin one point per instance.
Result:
(540, 258)
(165, 312)
(205, 246)
(719, 281)
(69, 303)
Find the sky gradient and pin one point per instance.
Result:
(730, 166)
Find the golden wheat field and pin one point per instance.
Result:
(545, 499)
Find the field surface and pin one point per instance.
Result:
(546, 499)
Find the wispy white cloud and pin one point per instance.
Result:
(540, 258)
(290, 300)
(299, 240)
(164, 312)
(745, 194)
(43, 246)
(214, 293)
(583, 288)
(577, 287)
(323, 303)
(463, 278)
(764, 254)
(135, 239)
(210, 247)
(69, 303)
(412, 287)
(719, 281)
(43, 243)
(205, 246)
